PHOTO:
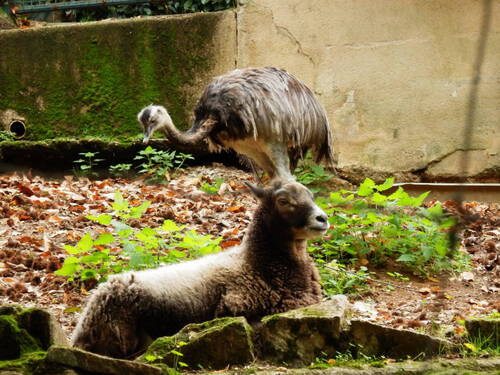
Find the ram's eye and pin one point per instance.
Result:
(282, 201)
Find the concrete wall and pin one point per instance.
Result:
(92, 79)
(393, 75)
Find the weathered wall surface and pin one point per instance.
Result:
(93, 78)
(393, 75)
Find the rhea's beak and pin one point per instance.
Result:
(147, 134)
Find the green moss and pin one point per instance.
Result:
(27, 364)
(15, 340)
(92, 80)
(229, 341)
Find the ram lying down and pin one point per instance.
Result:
(270, 272)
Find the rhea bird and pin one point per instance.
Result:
(265, 114)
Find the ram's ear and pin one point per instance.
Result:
(256, 190)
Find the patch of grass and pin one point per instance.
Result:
(347, 359)
(481, 346)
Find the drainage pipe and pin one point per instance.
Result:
(18, 127)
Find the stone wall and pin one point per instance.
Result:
(92, 79)
(393, 75)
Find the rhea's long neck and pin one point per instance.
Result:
(187, 138)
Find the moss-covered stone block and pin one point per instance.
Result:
(376, 340)
(28, 363)
(41, 325)
(90, 363)
(485, 330)
(212, 345)
(14, 340)
(92, 79)
(59, 154)
(298, 336)
(28, 330)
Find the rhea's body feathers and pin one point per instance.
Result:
(265, 114)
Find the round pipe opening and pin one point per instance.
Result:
(18, 128)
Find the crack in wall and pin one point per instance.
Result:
(388, 43)
(442, 157)
(288, 34)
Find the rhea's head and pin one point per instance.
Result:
(153, 118)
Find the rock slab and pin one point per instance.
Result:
(484, 329)
(376, 340)
(214, 344)
(94, 363)
(297, 337)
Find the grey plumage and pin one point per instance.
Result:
(270, 272)
(266, 114)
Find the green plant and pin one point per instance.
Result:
(177, 363)
(87, 164)
(119, 170)
(348, 359)
(481, 346)
(153, 8)
(212, 188)
(123, 247)
(189, 6)
(309, 173)
(369, 227)
(157, 164)
(398, 276)
(338, 278)
(6, 135)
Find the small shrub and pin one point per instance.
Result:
(87, 164)
(150, 9)
(120, 170)
(212, 188)
(372, 228)
(157, 164)
(338, 278)
(123, 247)
(311, 174)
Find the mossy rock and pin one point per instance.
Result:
(212, 345)
(14, 341)
(298, 336)
(32, 325)
(485, 330)
(91, 363)
(376, 340)
(28, 363)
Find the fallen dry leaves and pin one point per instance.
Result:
(38, 216)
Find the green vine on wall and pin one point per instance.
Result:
(151, 9)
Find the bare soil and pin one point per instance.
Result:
(39, 215)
